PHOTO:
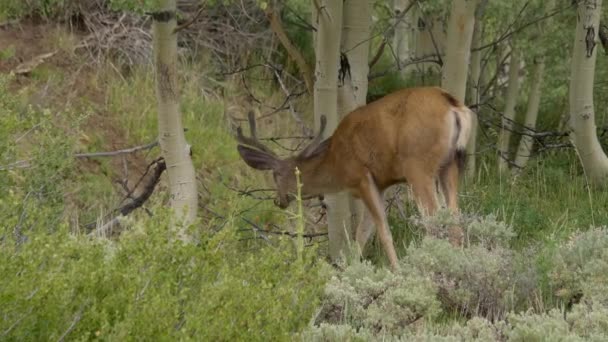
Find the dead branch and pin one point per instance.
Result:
(378, 54)
(190, 21)
(293, 52)
(24, 164)
(306, 130)
(158, 166)
(27, 67)
(118, 152)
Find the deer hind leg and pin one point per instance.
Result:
(424, 190)
(371, 196)
(448, 179)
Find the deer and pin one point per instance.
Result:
(416, 136)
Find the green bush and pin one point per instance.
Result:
(48, 9)
(150, 286)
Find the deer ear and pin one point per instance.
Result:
(257, 159)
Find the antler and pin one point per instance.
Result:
(316, 141)
(253, 140)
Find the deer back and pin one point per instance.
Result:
(411, 129)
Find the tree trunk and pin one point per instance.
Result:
(526, 142)
(460, 34)
(582, 114)
(329, 26)
(352, 92)
(175, 149)
(403, 33)
(509, 115)
(475, 98)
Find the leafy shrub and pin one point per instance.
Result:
(150, 286)
(471, 281)
(335, 332)
(580, 266)
(377, 300)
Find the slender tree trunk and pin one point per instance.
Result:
(526, 142)
(460, 33)
(475, 98)
(329, 28)
(475, 82)
(582, 113)
(403, 33)
(175, 149)
(458, 52)
(509, 114)
(352, 92)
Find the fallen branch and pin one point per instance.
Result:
(24, 164)
(27, 67)
(158, 166)
(118, 152)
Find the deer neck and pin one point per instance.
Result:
(317, 176)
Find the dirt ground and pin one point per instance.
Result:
(22, 45)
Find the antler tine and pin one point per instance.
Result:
(252, 128)
(317, 139)
(253, 140)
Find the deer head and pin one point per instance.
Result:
(260, 157)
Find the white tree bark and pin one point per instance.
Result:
(458, 52)
(403, 33)
(527, 142)
(352, 93)
(475, 98)
(175, 149)
(582, 113)
(509, 114)
(329, 28)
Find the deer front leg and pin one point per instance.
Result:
(365, 229)
(372, 198)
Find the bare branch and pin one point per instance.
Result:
(118, 152)
(292, 50)
(191, 21)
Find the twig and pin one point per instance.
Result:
(522, 27)
(191, 20)
(292, 110)
(378, 54)
(9, 329)
(75, 321)
(118, 152)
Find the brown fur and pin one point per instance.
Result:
(414, 135)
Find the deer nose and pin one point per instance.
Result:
(281, 204)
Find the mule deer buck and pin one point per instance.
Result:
(415, 135)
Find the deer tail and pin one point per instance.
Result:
(464, 117)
